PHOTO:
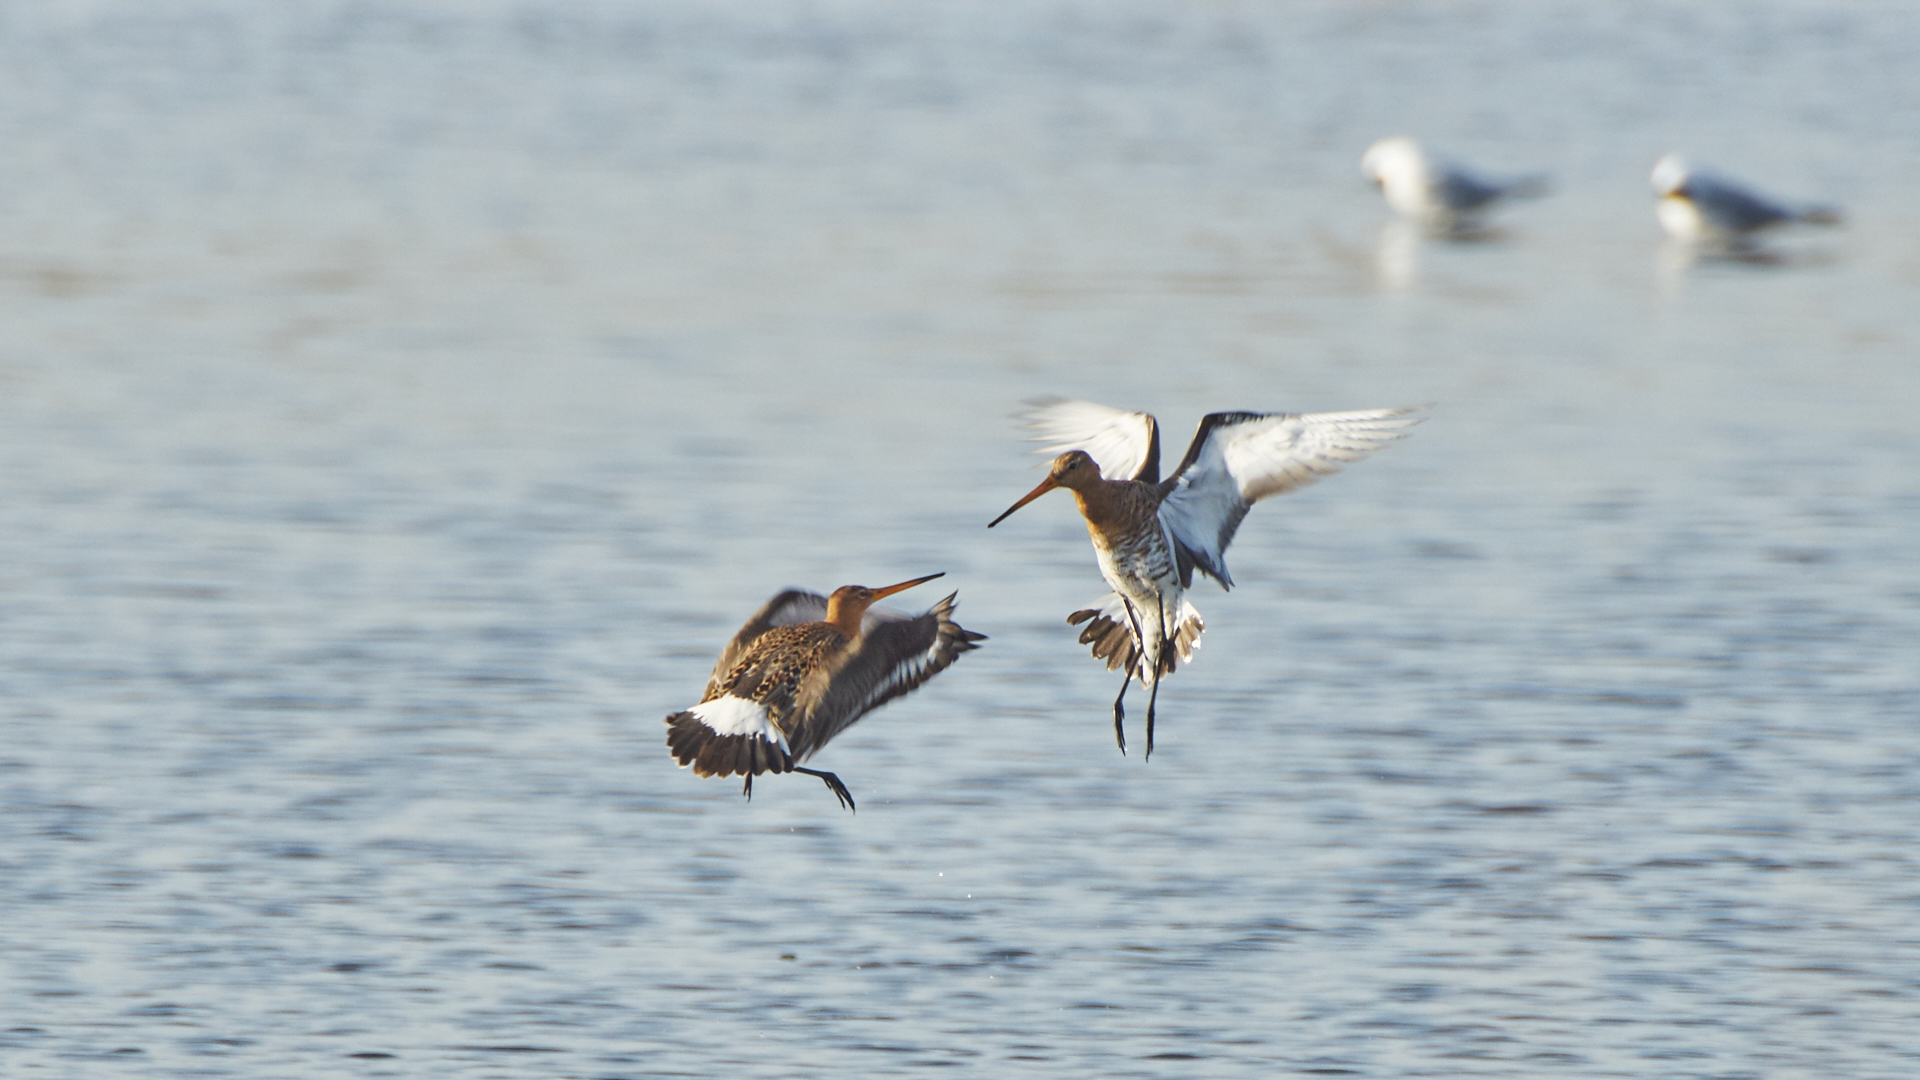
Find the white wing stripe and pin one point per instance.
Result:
(908, 672)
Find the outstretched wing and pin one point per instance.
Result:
(1126, 444)
(1237, 459)
(892, 658)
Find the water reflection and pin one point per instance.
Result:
(1677, 259)
(1398, 260)
(1671, 264)
(1400, 249)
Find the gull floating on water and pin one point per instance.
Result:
(1151, 534)
(1442, 196)
(1699, 207)
(802, 670)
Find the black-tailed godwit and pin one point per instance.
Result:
(802, 670)
(1152, 534)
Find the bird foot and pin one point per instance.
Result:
(833, 784)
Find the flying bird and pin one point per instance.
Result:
(1151, 534)
(1437, 193)
(802, 670)
(1700, 207)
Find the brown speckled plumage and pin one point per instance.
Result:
(815, 665)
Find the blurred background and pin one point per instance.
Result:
(401, 402)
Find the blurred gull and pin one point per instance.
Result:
(1701, 208)
(1436, 193)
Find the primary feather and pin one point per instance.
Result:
(1237, 459)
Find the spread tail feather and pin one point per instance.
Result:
(1110, 632)
(714, 754)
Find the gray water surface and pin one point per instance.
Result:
(400, 404)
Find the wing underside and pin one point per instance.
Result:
(1237, 459)
(1125, 444)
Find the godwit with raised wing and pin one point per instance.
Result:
(1151, 534)
(802, 670)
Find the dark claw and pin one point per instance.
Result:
(748, 789)
(833, 784)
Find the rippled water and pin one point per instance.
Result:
(400, 403)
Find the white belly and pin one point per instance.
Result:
(1410, 196)
(1681, 219)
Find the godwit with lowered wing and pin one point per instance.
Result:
(802, 670)
(1151, 534)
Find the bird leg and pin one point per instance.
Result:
(748, 789)
(1152, 696)
(1159, 669)
(1119, 709)
(833, 784)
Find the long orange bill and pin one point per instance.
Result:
(1045, 486)
(905, 585)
